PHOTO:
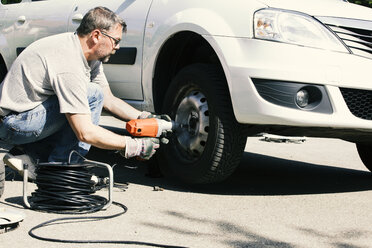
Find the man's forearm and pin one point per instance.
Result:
(118, 107)
(104, 139)
(122, 110)
(97, 136)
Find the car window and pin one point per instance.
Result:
(10, 1)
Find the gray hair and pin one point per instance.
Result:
(100, 18)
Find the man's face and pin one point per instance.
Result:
(109, 43)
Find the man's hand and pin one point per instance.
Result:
(144, 148)
(144, 115)
(147, 115)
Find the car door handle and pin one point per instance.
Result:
(77, 17)
(21, 19)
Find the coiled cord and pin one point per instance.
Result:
(65, 189)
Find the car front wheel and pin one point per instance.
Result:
(2, 178)
(208, 143)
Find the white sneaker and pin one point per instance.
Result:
(16, 163)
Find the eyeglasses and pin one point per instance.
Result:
(116, 41)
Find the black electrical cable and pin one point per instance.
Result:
(68, 189)
(65, 189)
(56, 221)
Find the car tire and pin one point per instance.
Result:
(2, 178)
(208, 144)
(3, 70)
(365, 154)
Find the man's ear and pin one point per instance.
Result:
(95, 34)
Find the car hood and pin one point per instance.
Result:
(330, 8)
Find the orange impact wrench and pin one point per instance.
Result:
(151, 127)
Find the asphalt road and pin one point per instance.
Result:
(311, 194)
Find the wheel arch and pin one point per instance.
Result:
(181, 49)
(3, 68)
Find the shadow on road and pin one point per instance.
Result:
(265, 175)
(227, 232)
(235, 235)
(257, 175)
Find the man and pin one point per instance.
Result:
(53, 94)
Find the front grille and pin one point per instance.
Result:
(359, 41)
(359, 102)
(356, 34)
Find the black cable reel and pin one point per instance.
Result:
(68, 187)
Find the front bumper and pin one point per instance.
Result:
(246, 59)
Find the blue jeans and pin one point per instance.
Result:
(45, 134)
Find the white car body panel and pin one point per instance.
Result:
(229, 31)
(337, 8)
(297, 64)
(167, 18)
(25, 22)
(244, 58)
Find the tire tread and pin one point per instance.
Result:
(229, 145)
(2, 178)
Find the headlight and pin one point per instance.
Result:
(294, 28)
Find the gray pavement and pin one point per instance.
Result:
(312, 194)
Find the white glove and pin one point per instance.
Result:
(144, 115)
(144, 148)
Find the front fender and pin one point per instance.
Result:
(208, 18)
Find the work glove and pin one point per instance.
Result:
(166, 134)
(144, 115)
(143, 148)
(162, 117)
(147, 115)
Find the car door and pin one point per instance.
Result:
(10, 12)
(38, 19)
(124, 69)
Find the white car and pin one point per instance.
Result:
(226, 70)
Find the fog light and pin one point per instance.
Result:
(302, 98)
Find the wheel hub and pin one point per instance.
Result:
(193, 123)
(193, 117)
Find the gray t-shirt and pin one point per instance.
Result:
(54, 65)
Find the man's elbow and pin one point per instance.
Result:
(85, 136)
(108, 105)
